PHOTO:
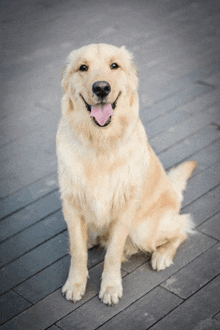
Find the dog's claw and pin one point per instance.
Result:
(111, 295)
(160, 261)
(73, 291)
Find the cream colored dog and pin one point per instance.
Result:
(111, 182)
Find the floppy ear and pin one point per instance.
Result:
(130, 58)
(134, 68)
(68, 70)
(65, 77)
(66, 102)
(67, 105)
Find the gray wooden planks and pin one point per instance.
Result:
(11, 305)
(204, 207)
(28, 195)
(32, 262)
(202, 182)
(138, 283)
(135, 261)
(144, 312)
(173, 101)
(199, 309)
(180, 131)
(29, 215)
(52, 277)
(176, 48)
(196, 274)
(54, 306)
(195, 147)
(212, 227)
(32, 236)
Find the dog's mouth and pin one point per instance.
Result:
(102, 112)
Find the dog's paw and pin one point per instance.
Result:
(160, 261)
(111, 295)
(74, 290)
(111, 290)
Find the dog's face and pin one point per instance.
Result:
(101, 82)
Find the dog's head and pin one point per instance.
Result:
(100, 89)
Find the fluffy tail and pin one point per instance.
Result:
(180, 175)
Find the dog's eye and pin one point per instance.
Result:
(83, 67)
(114, 66)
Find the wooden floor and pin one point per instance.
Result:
(176, 46)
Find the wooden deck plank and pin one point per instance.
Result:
(200, 308)
(54, 327)
(202, 183)
(214, 79)
(138, 283)
(217, 317)
(142, 280)
(205, 207)
(140, 315)
(161, 85)
(134, 262)
(54, 306)
(211, 227)
(28, 195)
(195, 275)
(31, 237)
(45, 282)
(181, 113)
(12, 304)
(173, 101)
(41, 315)
(30, 263)
(16, 171)
(202, 146)
(179, 132)
(29, 215)
(53, 277)
(176, 49)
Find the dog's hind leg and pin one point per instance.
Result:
(163, 256)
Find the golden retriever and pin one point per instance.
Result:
(112, 184)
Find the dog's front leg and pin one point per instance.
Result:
(75, 285)
(111, 286)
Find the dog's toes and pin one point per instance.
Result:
(73, 291)
(111, 295)
(160, 261)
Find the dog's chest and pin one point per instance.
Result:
(101, 185)
(105, 188)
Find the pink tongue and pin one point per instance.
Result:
(102, 115)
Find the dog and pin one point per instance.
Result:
(113, 187)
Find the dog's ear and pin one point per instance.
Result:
(130, 58)
(134, 68)
(68, 70)
(67, 105)
(65, 77)
(63, 73)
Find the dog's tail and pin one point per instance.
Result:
(179, 176)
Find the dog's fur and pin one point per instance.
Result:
(111, 182)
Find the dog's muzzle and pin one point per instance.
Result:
(89, 108)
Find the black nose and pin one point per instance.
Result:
(101, 88)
